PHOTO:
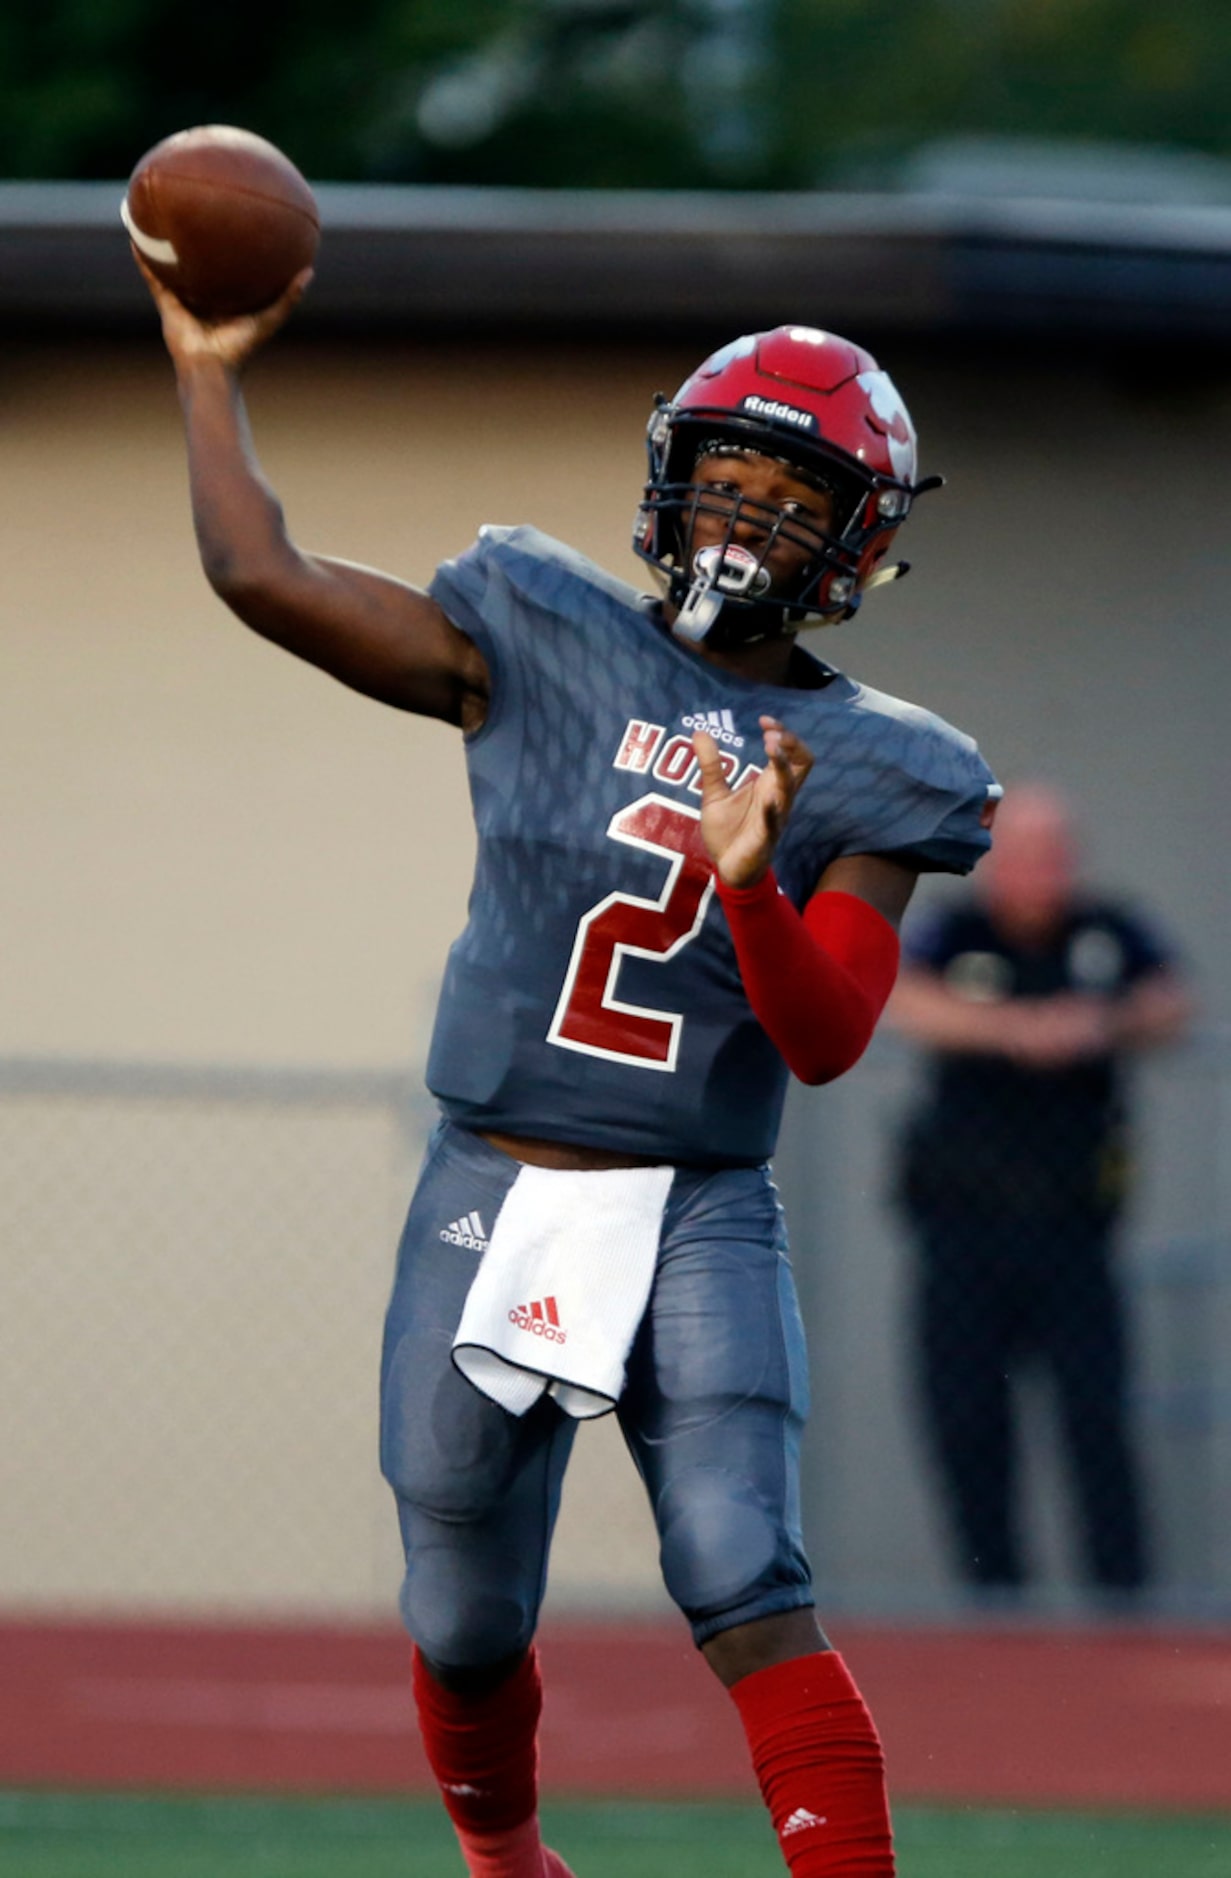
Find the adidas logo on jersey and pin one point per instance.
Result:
(468, 1232)
(541, 1319)
(720, 724)
(799, 1821)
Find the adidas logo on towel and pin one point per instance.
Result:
(720, 724)
(468, 1232)
(541, 1319)
(800, 1820)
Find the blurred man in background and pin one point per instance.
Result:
(1013, 1174)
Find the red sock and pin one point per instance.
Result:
(819, 1761)
(483, 1750)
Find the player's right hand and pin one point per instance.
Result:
(231, 342)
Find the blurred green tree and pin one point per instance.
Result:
(87, 85)
(606, 93)
(868, 81)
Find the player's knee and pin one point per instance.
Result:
(463, 1626)
(719, 1540)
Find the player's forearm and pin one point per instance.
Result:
(817, 981)
(241, 535)
(246, 553)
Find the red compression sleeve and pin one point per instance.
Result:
(483, 1749)
(820, 1767)
(817, 981)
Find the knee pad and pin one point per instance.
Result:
(461, 1619)
(720, 1543)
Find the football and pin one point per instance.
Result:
(222, 217)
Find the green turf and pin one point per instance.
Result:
(45, 1835)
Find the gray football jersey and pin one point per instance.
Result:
(594, 995)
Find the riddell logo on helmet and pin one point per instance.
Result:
(781, 413)
(541, 1319)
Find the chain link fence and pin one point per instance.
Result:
(194, 1269)
(909, 1310)
(194, 1265)
(191, 1288)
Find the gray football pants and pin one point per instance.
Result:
(712, 1414)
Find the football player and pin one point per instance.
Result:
(676, 904)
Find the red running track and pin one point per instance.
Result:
(1104, 1718)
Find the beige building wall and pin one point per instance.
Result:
(212, 855)
(215, 855)
(211, 851)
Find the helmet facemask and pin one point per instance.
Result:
(726, 589)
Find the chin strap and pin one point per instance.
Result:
(884, 575)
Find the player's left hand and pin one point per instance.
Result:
(741, 827)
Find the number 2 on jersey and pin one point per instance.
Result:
(589, 1017)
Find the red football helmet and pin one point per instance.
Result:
(823, 407)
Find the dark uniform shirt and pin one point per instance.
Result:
(994, 1133)
(594, 995)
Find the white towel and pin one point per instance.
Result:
(562, 1287)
